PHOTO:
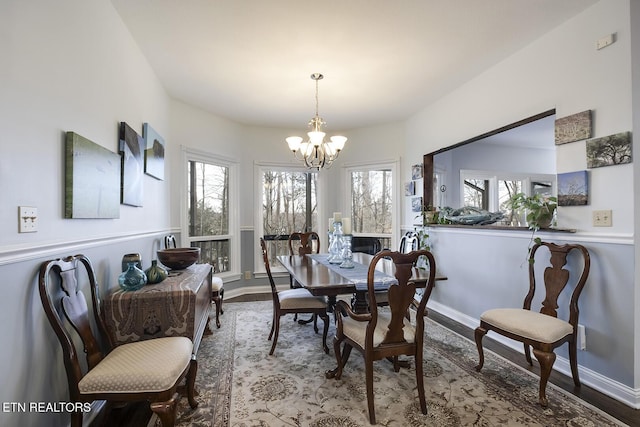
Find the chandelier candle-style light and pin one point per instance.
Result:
(316, 153)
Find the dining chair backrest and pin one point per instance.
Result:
(309, 243)
(267, 266)
(409, 242)
(169, 241)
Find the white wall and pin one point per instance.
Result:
(561, 70)
(68, 65)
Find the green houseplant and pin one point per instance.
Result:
(539, 211)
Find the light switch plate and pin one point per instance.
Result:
(27, 219)
(602, 218)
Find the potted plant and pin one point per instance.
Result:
(429, 215)
(539, 211)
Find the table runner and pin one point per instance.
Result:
(357, 274)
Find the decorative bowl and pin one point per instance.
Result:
(178, 258)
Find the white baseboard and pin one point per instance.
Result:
(616, 390)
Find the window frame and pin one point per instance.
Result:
(258, 170)
(394, 165)
(190, 154)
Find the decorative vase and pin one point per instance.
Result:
(155, 273)
(127, 258)
(133, 278)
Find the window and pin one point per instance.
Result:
(371, 196)
(288, 203)
(210, 222)
(492, 191)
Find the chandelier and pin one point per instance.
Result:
(316, 153)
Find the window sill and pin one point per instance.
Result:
(499, 227)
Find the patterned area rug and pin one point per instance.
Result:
(240, 385)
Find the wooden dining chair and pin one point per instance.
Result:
(297, 300)
(543, 330)
(386, 333)
(409, 242)
(148, 370)
(308, 243)
(217, 284)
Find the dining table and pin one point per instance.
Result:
(322, 278)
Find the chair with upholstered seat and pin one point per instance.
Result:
(409, 242)
(148, 370)
(543, 330)
(217, 285)
(386, 333)
(308, 243)
(292, 301)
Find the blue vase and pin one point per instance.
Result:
(155, 273)
(132, 279)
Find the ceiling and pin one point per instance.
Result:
(250, 61)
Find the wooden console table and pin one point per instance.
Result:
(178, 306)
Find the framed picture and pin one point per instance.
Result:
(609, 150)
(416, 204)
(153, 153)
(409, 188)
(131, 151)
(573, 189)
(573, 128)
(92, 179)
(416, 171)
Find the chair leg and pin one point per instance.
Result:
(479, 334)
(573, 361)
(369, 383)
(76, 419)
(191, 382)
(546, 360)
(325, 332)
(221, 299)
(420, 381)
(527, 354)
(276, 322)
(216, 299)
(166, 411)
(273, 324)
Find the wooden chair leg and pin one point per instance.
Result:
(216, 300)
(166, 411)
(76, 419)
(573, 361)
(191, 382)
(479, 334)
(273, 325)
(325, 332)
(546, 360)
(276, 322)
(369, 384)
(420, 382)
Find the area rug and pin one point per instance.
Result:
(240, 385)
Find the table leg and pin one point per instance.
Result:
(359, 303)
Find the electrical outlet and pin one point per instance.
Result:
(247, 275)
(582, 338)
(605, 41)
(27, 219)
(602, 218)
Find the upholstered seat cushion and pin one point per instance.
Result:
(299, 298)
(356, 331)
(528, 324)
(216, 284)
(145, 366)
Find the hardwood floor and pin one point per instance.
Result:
(138, 415)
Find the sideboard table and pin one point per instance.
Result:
(177, 306)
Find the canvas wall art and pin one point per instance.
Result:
(131, 150)
(416, 204)
(573, 128)
(609, 150)
(409, 188)
(416, 171)
(573, 189)
(153, 153)
(92, 179)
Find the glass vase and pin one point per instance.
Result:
(155, 273)
(132, 279)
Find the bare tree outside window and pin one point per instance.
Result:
(371, 201)
(288, 205)
(209, 212)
